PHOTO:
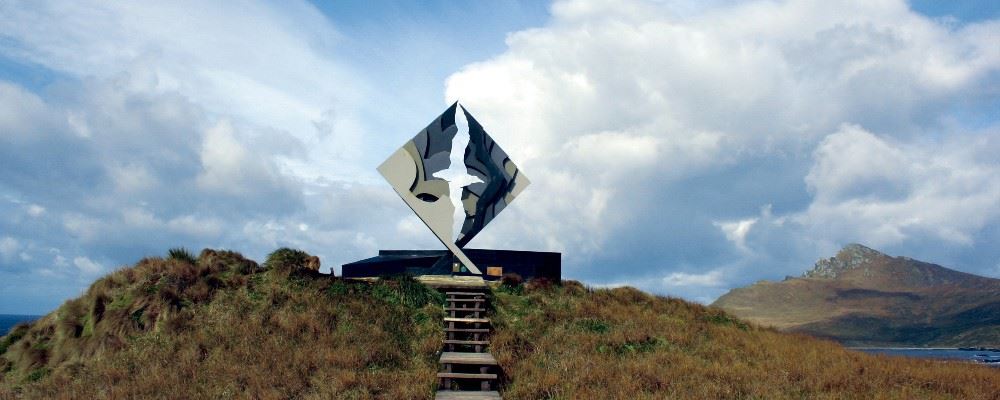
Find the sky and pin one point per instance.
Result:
(681, 147)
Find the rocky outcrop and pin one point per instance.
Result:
(851, 257)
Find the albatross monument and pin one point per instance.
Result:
(456, 179)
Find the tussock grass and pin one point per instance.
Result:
(572, 342)
(220, 326)
(181, 254)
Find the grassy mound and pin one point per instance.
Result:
(571, 342)
(220, 326)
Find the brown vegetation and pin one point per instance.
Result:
(218, 326)
(571, 342)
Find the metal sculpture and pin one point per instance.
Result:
(416, 173)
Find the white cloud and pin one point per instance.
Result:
(736, 231)
(35, 210)
(228, 166)
(651, 132)
(268, 65)
(623, 113)
(87, 266)
(713, 278)
(133, 178)
(8, 248)
(136, 217)
(870, 189)
(83, 227)
(197, 226)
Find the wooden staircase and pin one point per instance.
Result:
(468, 370)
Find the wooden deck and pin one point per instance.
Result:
(453, 282)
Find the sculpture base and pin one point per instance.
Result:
(493, 264)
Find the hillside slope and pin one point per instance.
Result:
(218, 326)
(864, 297)
(571, 342)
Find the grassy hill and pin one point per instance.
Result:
(864, 297)
(220, 326)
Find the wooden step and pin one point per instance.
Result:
(467, 300)
(468, 320)
(468, 342)
(457, 375)
(454, 357)
(464, 309)
(465, 293)
(466, 395)
(470, 330)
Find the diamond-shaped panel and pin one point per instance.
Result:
(496, 180)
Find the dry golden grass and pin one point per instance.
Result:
(221, 327)
(571, 342)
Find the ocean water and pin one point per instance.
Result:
(8, 321)
(979, 356)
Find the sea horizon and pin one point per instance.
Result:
(8, 321)
(988, 356)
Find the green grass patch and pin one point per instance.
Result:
(37, 374)
(725, 319)
(627, 348)
(15, 335)
(121, 302)
(181, 254)
(593, 325)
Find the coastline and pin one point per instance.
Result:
(977, 355)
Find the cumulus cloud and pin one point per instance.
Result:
(869, 188)
(736, 231)
(157, 170)
(260, 63)
(229, 167)
(681, 148)
(87, 266)
(682, 123)
(176, 125)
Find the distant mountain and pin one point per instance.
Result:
(864, 297)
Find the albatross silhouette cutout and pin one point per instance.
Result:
(422, 174)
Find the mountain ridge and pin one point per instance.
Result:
(866, 267)
(864, 297)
